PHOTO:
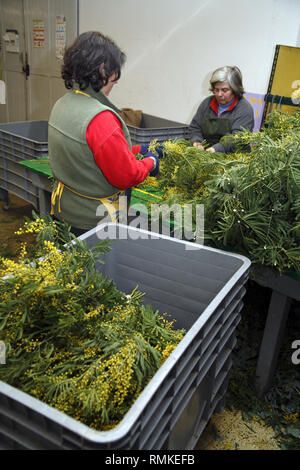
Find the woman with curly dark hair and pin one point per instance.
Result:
(90, 151)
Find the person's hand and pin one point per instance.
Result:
(198, 145)
(159, 150)
(211, 149)
(155, 169)
(144, 149)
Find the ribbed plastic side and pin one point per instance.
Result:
(29, 140)
(17, 180)
(203, 290)
(153, 127)
(21, 141)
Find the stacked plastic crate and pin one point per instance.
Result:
(28, 140)
(202, 289)
(153, 127)
(21, 141)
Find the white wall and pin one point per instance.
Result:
(172, 46)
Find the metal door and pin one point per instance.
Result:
(13, 50)
(31, 72)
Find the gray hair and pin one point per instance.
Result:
(232, 75)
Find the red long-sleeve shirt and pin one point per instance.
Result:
(112, 155)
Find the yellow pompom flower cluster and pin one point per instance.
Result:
(35, 226)
(292, 417)
(185, 169)
(73, 340)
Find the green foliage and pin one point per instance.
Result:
(185, 169)
(251, 197)
(253, 207)
(73, 340)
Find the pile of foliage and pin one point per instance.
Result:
(254, 207)
(73, 340)
(251, 197)
(184, 171)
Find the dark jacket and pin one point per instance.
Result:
(206, 125)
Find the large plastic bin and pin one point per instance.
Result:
(28, 140)
(21, 141)
(202, 289)
(16, 179)
(25, 139)
(40, 174)
(153, 127)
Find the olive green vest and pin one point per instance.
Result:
(80, 181)
(213, 128)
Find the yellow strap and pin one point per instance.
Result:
(111, 202)
(56, 193)
(81, 92)
(116, 207)
(154, 195)
(146, 192)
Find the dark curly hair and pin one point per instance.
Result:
(91, 60)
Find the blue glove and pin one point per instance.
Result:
(144, 149)
(159, 150)
(155, 170)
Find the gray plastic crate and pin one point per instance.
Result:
(17, 180)
(25, 139)
(202, 289)
(153, 127)
(19, 141)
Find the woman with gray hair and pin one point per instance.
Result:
(224, 112)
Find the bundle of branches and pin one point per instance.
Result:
(251, 197)
(254, 208)
(73, 340)
(184, 169)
